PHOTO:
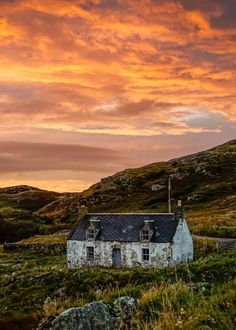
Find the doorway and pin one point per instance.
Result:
(116, 258)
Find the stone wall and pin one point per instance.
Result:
(50, 249)
(131, 254)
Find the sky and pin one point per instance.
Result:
(89, 88)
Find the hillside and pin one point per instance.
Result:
(205, 181)
(19, 202)
(17, 189)
(17, 207)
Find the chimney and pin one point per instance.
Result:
(179, 212)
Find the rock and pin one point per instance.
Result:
(199, 286)
(192, 198)
(179, 175)
(94, 316)
(48, 249)
(156, 187)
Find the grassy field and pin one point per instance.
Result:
(200, 295)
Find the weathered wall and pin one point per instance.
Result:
(51, 249)
(182, 245)
(131, 254)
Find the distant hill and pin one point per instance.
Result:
(17, 189)
(205, 181)
(19, 202)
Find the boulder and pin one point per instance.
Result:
(94, 316)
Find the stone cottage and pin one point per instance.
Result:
(130, 240)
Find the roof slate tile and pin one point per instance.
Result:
(125, 227)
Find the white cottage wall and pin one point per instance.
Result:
(131, 254)
(182, 245)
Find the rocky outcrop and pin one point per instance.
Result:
(95, 316)
(48, 249)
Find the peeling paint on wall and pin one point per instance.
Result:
(131, 254)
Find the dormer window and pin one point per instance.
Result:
(147, 231)
(145, 235)
(91, 234)
(93, 229)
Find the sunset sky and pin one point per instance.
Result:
(88, 88)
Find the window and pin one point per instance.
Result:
(145, 254)
(93, 229)
(90, 252)
(145, 235)
(91, 234)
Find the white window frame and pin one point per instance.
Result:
(145, 235)
(91, 234)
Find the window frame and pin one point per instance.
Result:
(145, 235)
(91, 234)
(90, 253)
(145, 254)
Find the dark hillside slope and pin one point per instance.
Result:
(17, 207)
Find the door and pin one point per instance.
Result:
(116, 258)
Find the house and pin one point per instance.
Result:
(130, 240)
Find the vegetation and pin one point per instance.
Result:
(13, 231)
(21, 205)
(46, 239)
(200, 294)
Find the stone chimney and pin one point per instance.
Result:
(179, 212)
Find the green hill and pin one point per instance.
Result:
(19, 202)
(17, 207)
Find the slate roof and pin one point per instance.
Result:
(126, 227)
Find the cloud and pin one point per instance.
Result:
(207, 120)
(25, 156)
(101, 70)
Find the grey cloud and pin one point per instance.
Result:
(209, 120)
(133, 109)
(25, 156)
(228, 7)
(227, 19)
(204, 6)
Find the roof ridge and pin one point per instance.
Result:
(130, 213)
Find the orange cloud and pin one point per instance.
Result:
(117, 68)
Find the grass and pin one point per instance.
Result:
(37, 286)
(45, 239)
(177, 306)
